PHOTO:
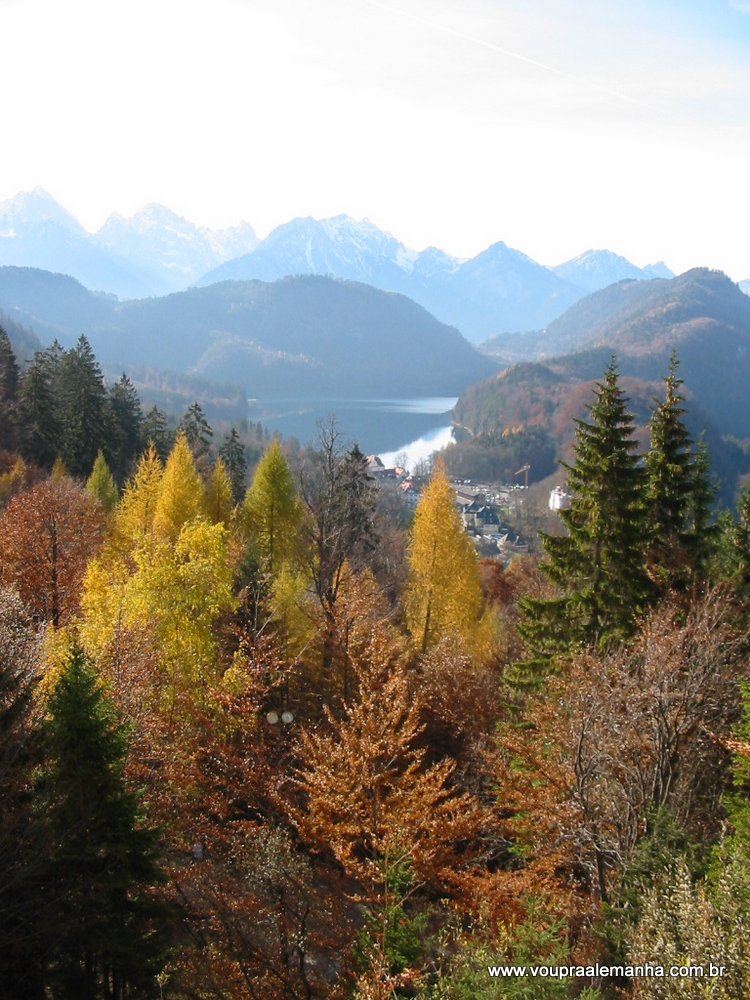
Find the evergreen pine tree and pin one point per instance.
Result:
(197, 431)
(126, 427)
(84, 413)
(232, 454)
(38, 408)
(155, 429)
(703, 529)
(22, 925)
(670, 475)
(8, 393)
(102, 858)
(598, 565)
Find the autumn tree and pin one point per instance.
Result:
(339, 498)
(271, 511)
(370, 799)
(47, 535)
(219, 500)
(620, 736)
(101, 485)
(181, 494)
(598, 564)
(135, 513)
(443, 594)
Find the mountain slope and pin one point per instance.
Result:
(309, 335)
(701, 315)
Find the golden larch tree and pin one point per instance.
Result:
(443, 594)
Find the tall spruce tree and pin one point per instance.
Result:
(104, 939)
(8, 393)
(670, 486)
(598, 564)
(156, 430)
(197, 431)
(703, 527)
(232, 454)
(126, 440)
(84, 411)
(39, 423)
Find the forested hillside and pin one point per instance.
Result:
(262, 735)
(308, 335)
(701, 315)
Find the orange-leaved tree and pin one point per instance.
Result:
(47, 535)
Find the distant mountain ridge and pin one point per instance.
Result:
(702, 315)
(305, 335)
(156, 252)
(151, 253)
(596, 269)
(500, 288)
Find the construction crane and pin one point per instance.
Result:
(525, 470)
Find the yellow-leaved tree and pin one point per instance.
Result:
(271, 511)
(134, 517)
(167, 577)
(443, 594)
(181, 494)
(219, 500)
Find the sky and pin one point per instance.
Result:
(550, 125)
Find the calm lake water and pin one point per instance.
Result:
(385, 427)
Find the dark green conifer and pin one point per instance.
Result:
(670, 483)
(703, 528)
(126, 440)
(102, 858)
(8, 393)
(232, 454)
(84, 412)
(197, 431)
(39, 408)
(598, 564)
(156, 430)
(22, 913)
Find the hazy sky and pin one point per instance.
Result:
(554, 125)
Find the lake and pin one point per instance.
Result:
(385, 427)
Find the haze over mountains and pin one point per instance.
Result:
(156, 252)
(152, 253)
(308, 335)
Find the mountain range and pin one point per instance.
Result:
(156, 252)
(304, 335)
(152, 253)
